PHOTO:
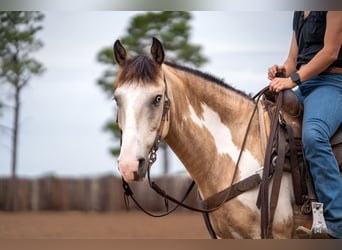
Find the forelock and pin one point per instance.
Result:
(139, 69)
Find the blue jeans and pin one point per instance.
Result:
(322, 100)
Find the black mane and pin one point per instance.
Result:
(143, 68)
(208, 77)
(139, 68)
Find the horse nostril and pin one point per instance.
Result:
(141, 163)
(141, 172)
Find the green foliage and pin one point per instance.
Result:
(171, 27)
(17, 35)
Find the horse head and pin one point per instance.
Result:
(142, 102)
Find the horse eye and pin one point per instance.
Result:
(116, 99)
(157, 99)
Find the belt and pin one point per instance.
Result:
(333, 70)
(330, 70)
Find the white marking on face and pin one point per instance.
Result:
(139, 120)
(128, 122)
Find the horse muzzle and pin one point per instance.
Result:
(133, 170)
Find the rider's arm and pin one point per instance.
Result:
(329, 53)
(291, 61)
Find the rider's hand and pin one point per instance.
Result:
(277, 84)
(274, 70)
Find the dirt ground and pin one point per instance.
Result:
(116, 225)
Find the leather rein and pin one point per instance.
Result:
(212, 203)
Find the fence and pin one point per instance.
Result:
(103, 193)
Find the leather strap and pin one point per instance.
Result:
(277, 176)
(295, 172)
(337, 137)
(214, 200)
(263, 201)
(332, 70)
(231, 192)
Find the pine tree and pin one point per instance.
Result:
(172, 28)
(17, 34)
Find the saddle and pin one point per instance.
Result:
(283, 115)
(290, 120)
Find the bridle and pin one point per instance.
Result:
(214, 202)
(164, 118)
(128, 193)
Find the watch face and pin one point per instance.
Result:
(295, 78)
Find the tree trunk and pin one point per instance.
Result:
(13, 190)
(164, 147)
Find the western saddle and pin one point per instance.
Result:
(283, 115)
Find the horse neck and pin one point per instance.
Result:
(207, 126)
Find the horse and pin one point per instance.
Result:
(204, 122)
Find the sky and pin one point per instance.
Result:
(64, 110)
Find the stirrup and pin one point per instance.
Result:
(305, 233)
(319, 228)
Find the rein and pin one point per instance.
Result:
(217, 200)
(210, 204)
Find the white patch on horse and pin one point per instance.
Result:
(223, 138)
(235, 234)
(225, 145)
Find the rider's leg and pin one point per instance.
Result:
(322, 117)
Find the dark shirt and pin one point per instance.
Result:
(310, 36)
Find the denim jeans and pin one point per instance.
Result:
(322, 100)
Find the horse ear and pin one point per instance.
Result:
(119, 53)
(157, 51)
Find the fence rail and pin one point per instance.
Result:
(103, 193)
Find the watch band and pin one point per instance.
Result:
(295, 78)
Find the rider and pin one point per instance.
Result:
(314, 64)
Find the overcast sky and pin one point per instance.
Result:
(63, 111)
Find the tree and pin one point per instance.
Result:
(17, 35)
(173, 29)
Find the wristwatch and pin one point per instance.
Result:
(295, 78)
